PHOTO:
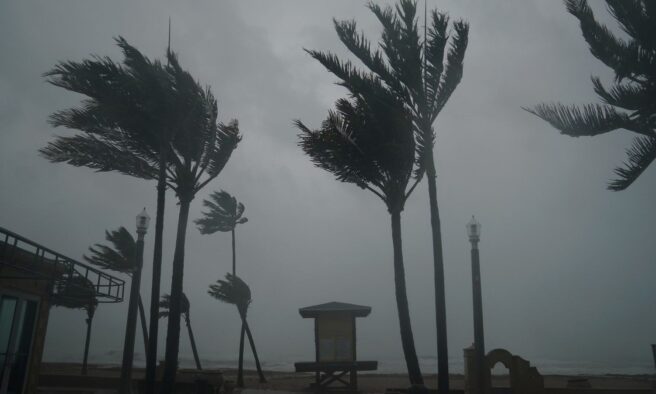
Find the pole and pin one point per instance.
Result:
(131, 326)
(479, 342)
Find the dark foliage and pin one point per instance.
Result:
(630, 102)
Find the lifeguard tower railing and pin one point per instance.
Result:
(29, 260)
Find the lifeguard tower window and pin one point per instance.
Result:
(335, 337)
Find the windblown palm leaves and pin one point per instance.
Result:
(164, 306)
(424, 73)
(233, 290)
(630, 102)
(119, 257)
(382, 137)
(78, 292)
(224, 213)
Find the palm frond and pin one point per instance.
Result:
(639, 156)
(589, 120)
(223, 213)
(165, 305)
(120, 256)
(233, 290)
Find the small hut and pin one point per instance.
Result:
(335, 344)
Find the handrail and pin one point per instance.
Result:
(108, 288)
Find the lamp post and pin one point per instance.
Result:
(131, 327)
(474, 233)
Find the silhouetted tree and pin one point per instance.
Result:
(202, 154)
(224, 214)
(233, 290)
(119, 257)
(164, 305)
(630, 103)
(78, 292)
(128, 119)
(423, 73)
(368, 141)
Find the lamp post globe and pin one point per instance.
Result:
(474, 230)
(143, 220)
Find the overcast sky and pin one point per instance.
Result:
(567, 266)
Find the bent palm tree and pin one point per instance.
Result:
(424, 74)
(78, 293)
(164, 306)
(127, 122)
(368, 141)
(233, 290)
(201, 152)
(224, 214)
(630, 103)
(119, 257)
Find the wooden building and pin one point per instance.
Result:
(30, 276)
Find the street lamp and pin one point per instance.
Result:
(474, 233)
(131, 327)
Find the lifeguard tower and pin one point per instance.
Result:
(335, 344)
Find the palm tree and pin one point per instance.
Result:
(115, 138)
(630, 103)
(424, 74)
(200, 156)
(224, 214)
(368, 141)
(78, 293)
(164, 305)
(119, 257)
(233, 290)
(127, 121)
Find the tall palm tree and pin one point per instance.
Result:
(423, 73)
(233, 290)
(629, 103)
(119, 257)
(368, 141)
(78, 293)
(200, 156)
(224, 214)
(164, 305)
(127, 121)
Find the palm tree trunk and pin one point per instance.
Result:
(86, 344)
(252, 343)
(173, 330)
(407, 340)
(234, 254)
(440, 297)
(193, 343)
(151, 356)
(240, 368)
(142, 316)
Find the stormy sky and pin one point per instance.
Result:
(567, 266)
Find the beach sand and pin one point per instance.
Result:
(368, 383)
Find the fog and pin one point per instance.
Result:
(567, 266)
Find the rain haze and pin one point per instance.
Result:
(567, 266)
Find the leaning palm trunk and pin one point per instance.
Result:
(142, 316)
(151, 355)
(86, 343)
(173, 331)
(244, 323)
(193, 342)
(407, 340)
(240, 367)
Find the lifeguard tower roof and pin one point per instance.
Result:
(316, 310)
